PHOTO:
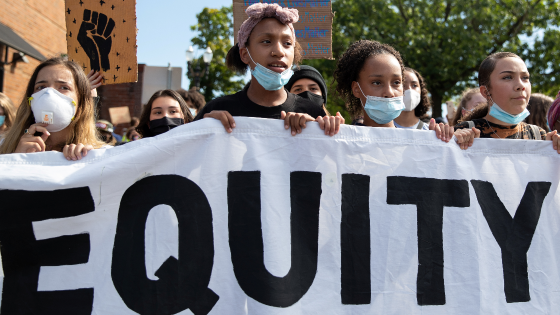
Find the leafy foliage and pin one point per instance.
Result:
(447, 40)
(215, 30)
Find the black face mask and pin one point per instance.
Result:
(317, 99)
(162, 125)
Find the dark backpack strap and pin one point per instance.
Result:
(420, 125)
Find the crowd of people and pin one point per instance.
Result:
(58, 110)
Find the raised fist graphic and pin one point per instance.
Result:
(98, 45)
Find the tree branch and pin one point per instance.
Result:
(447, 10)
(514, 29)
(401, 11)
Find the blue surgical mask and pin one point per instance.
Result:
(268, 79)
(382, 110)
(2, 118)
(501, 115)
(193, 111)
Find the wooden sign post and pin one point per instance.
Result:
(313, 30)
(101, 35)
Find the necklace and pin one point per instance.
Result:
(516, 135)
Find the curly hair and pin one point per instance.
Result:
(351, 63)
(425, 104)
(194, 97)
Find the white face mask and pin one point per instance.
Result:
(51, 107)
(411, 99)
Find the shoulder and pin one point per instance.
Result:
(534, 131)
(219, 103)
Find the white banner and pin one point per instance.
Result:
(198, 221)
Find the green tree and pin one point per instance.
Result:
(544, 62)
(215, 30)
(447, 40)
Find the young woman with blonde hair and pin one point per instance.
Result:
(56, 113)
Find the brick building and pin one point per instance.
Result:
(124, 94)
(42, 25)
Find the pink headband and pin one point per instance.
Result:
(259, 11)
(554, 112)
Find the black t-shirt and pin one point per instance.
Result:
(239, 104)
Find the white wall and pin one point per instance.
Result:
(155, 79)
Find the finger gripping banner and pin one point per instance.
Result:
(200, 221)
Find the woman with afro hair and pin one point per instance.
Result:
(369, 78)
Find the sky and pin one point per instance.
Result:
(164, 32)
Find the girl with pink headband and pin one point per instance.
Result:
(267, 46)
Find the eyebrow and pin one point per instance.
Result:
(301, 85)
(380, 76)
(57, 81)
(509, 71)
(172, 106)
(274, 34)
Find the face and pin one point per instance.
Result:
(472, 103)
(1, 111)
(165, 107)
(411, 82)
(59, 78)
(556, 126)
(189, 104)
(304, 85)
(271, 45)
(380, 76)
(510, 87)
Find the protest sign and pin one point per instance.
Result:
(119, 115)
(313, 30)
(101, 35)
(196, 220)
